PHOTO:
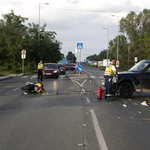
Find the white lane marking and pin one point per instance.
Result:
(83, 91)
(79, 83)
(33, 77)
(87, 99)
(16, 89)
(24, 76)
(100, 77)
(83, 82)
(101, 141)
(93, 77)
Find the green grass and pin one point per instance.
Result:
(27, 70)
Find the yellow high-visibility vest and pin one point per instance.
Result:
(39, 66)
(109, 71)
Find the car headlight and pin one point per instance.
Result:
(55, 71)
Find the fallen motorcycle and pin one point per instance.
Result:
(33, 87)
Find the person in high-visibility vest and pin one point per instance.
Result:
(109, 74)
(40, 71)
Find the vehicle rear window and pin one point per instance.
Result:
(70, 65)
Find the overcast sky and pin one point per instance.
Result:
(77, 21)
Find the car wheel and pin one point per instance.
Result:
(126, 89)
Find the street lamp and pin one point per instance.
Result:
(39, 22)
(118, 35)
(108, 43)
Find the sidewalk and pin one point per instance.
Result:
(10, 76)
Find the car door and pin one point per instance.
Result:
(145, 80)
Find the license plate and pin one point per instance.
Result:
(48, 73)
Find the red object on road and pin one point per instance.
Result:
(99, 93)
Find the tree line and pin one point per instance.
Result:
(134, 40)
(16, 36)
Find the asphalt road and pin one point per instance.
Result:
(68, 116)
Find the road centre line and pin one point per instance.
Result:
(100, 138)
(88, 100)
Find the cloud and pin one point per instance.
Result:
(77, 20)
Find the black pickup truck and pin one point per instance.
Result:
(136, 79)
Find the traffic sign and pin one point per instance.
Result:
(79, 45)
(79, 68)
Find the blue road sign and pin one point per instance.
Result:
(79, 68)
(79, 45)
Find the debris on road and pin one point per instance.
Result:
(124, 105)
(145, 103)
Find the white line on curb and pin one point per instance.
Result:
(98, 131)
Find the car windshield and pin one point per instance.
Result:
(139, 66)
(49, 66)
(60, 65)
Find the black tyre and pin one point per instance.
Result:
(126, 90)
(28, 87)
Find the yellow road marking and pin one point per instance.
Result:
(129, 99)
(119, 104)
(135, 103)
(145, 118)
(139, 112)
(131, 117)
(119, 118)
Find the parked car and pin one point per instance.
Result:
(136, 79)
(61, 68)
(70, 67)
(50, 70)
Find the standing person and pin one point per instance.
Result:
(40, 71)
(109, 74)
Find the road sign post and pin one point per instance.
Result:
(79, 47)
(23, 56)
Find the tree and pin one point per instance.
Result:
(71, 57)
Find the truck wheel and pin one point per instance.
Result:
(125, 90)
(28, 87)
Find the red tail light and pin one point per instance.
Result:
(39, 88)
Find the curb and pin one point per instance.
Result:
(10, 76)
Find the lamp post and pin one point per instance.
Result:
(118, 35)
(39, 23)
(108, 43)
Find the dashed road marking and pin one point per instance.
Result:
(87, 99)
(101, 141)
(16, 89)
(101, 77)
(119, 118)
(139, 112)
(131, 117)
(93, 77)
(24, 76)
(33, 77)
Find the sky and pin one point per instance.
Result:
(77, 21)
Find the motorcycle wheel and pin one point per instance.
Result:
(28, 87)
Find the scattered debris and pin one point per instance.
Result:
(145, 103)
(25, 93)
(124, 105)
